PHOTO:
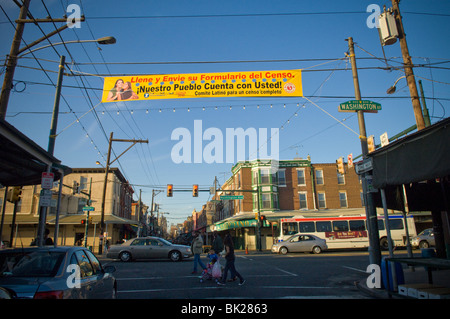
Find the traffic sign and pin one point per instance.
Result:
(45, 198)
(364, 166)
(350, 160)
(88, 209)
(231, 197)
(47, 180)
(359, 105)
(384, 139)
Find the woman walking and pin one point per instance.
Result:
(230, 258)
(197, 249)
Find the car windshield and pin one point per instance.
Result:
(426, 232)
(30, 264)
(165, 242)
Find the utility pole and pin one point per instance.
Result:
(108, 163)
(408, 68)
(371, 212)
(52, 136)
(16, 50)
(12, 60)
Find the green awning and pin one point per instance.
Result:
(233, 224)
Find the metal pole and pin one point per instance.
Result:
(5, 196)
(102, 221)
(58, 208)
(371, 213)
(426, 115)
(408, 69)
(12, 60)
(52, 136)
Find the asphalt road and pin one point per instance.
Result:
(330, 275)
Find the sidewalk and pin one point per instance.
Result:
(418, 275)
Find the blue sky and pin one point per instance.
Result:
(167, 37)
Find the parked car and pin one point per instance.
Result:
(424, 240)
(55, 273)
(301, 243)
(147, 248)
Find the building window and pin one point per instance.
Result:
(266, 202)
(343, 199)
(322, 201)
(275, 201)
(301, 177)
(281, 178)
(265, 176)
(303, 201)
(83, 183)
(319, 177)
(341, 179)
(255, 177)
(81, 203)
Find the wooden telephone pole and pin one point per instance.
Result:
(108, 163)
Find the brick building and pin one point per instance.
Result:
(120, 219)
(297, 186)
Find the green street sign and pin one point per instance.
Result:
(88, 209)
(359, 105)
(231, 197)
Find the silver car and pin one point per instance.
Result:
(55, 273)
(301, 243)
(424, 240)
(147, 248)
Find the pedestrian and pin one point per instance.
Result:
(230, 258)
(197, 249)
(217, 244)
(48, 241)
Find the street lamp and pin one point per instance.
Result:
(104, 40)
(391, 90)
(98, 163)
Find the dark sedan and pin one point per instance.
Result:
(55, 273)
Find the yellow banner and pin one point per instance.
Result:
(284, 83)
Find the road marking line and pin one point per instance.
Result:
(356, 269)
(286, 272)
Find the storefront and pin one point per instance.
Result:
(244, 230)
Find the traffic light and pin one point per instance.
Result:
(169, 190)
(14, 194)
(195, 190)
(83, 222)
(75, 188)
(370, 144)
(340, 165)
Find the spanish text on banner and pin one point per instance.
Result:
(285, 83)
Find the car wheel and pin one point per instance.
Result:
(125, 256)
(424, 244)
(316, 250)
(384, 244)
(283, 250)
(175, 255)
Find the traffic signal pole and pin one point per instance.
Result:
(371, 212)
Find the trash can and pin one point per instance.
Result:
(398, 273)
